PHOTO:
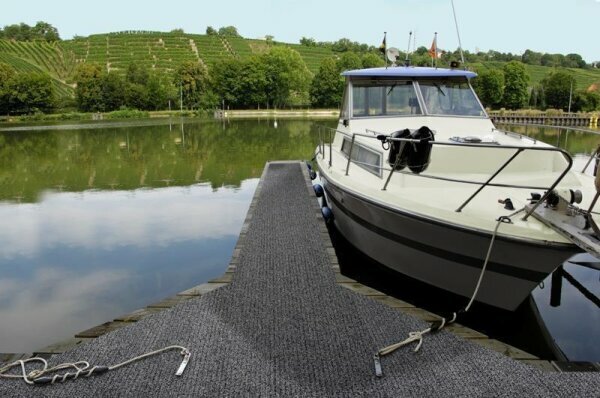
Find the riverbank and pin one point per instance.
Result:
(135, 114)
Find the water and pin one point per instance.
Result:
(570, 323)
(99, 220)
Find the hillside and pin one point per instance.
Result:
(165, 51)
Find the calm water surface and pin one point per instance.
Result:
(99, 220)
(102, 220)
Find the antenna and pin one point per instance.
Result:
(393, 54)
(414, 41)
(407, 61)
(462, 57)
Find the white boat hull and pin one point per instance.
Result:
(443, 255)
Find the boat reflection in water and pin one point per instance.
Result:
(567, 303)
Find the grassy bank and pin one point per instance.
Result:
(135, 114)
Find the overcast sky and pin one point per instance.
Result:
(555, 26)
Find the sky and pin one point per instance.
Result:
(553, 26)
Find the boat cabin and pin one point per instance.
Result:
(409, 91)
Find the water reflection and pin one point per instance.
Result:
(79, 259)
(568, 305)
(97, 222)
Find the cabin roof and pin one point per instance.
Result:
(410, 71)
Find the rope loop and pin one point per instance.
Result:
(80, 368)
(444, 321)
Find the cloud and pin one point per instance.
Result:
(51, 305)
(111, 219)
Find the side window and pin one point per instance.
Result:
(363, 157)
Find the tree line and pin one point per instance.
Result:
(509, 88)
(23, 32)
(276, 79)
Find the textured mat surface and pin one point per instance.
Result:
(284, 328)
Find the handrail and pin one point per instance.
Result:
(519, 149)
(553, 126)
(595, 155)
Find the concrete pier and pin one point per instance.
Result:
(283, 326)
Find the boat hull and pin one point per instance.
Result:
(444, 255)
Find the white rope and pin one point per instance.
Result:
(82, 368)
(418, 336)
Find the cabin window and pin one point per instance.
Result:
(384, 99)
(450, 97)
(363, 157)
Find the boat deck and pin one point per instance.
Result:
(283, 327)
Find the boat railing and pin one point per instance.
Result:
(404, 141)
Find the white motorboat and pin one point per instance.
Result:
(417, 177)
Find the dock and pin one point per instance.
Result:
(585, 120)
(284, 322)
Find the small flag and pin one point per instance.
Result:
(383, 45)
(433, 49)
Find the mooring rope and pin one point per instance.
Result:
(82, 368)
(440, 324)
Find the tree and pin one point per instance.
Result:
(192, 79)
(23, 32)
(45, 30)
(254, 82)
(557, 89)
(537, 98)
(575, 61)
(159, 90)
(225, 75)
(586, 101)
(349, 61)
(136, 74)
(287, 77)
(7, 73)
(308, 42)
(552, 60)
(490, 87)
(531, 57)
(229, 31)
(327, 86)
(88, 90)
(112, 97)
(211, 31)
(516, 81)
(31, 92)
(371, 60)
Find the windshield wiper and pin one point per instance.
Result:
(439, 89)
(392, 88)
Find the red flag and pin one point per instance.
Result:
(433, 49)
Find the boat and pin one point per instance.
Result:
(418, 177)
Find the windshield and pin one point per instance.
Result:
(384, 98)
(450, 97)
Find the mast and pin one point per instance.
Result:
(462, 56)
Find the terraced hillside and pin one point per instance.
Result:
(164, 51)
(40, 57)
